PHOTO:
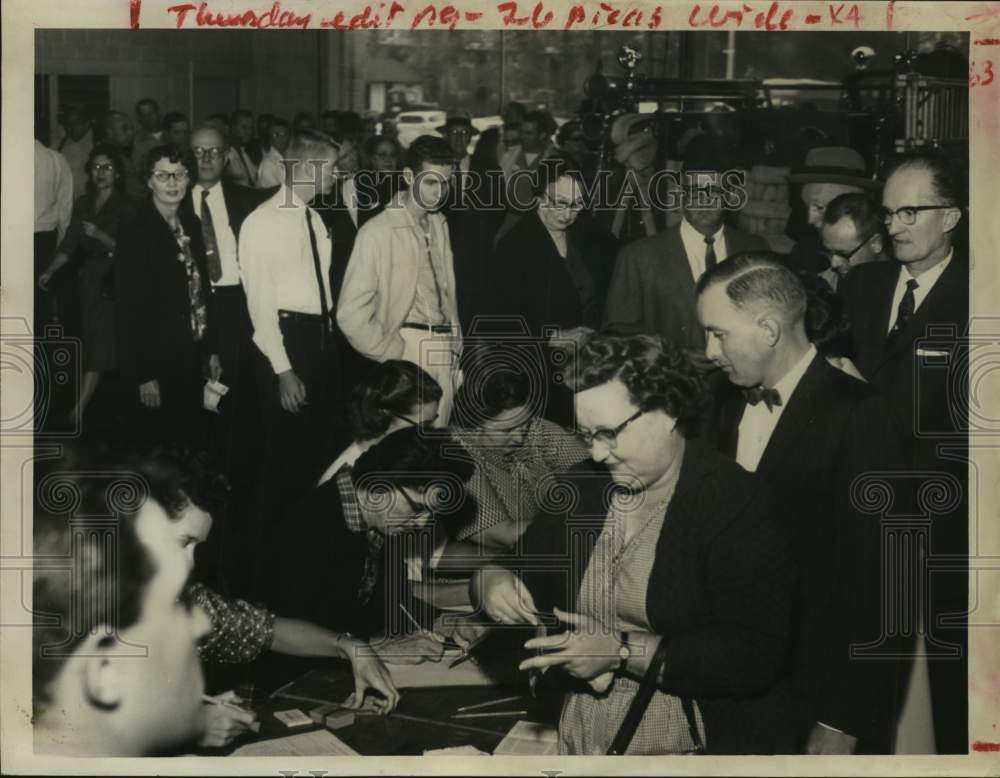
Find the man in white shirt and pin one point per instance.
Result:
(242, 169)
(813, 433)
(53, 209)
(398, 298)
(222, 206)
(909, 320)
(652, 288)
(284, 252)
(76, 146)
(271, 172)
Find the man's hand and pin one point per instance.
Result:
(370, 673)
(225, 723)
(44, 279)
(588, 650)
(823, 740)
(214, 367)
(292, 391)
(149, 394)
(411, 649)
(504, 597)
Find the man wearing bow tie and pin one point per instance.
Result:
(810, 430)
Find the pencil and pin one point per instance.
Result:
(416, 624)
(225, 703)
(490, 715)
(491, 702)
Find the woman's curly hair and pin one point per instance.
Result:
(657, 375)
(393, 386)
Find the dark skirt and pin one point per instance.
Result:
(97, 314)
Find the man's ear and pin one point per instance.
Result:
(770, 329)
(102, 672)
(877, 243)
(951, 218)
(408, 177)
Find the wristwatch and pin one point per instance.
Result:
(624, 652)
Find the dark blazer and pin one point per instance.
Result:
(652, 289)
(833, 430)
(922, 390)
(528, 278)
(719, 593)
(241, 201)
(152, 309)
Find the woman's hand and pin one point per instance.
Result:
(586, 651)
(225, 723)
(410, 649)
(149, 394)
(370, 673)
(463, 630)
(504, 597)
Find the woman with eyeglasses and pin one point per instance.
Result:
(393, 395)
(91, 239)
(666, 565)
(163, 306)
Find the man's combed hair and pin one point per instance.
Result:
(497, 379)
(756, 281)
(86, 581)
(413, 457)
(657, 375)
(949, 176)
(304, 142)
(859, 208)
(393, 386)
(430, 150)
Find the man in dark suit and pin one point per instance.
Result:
(652, 289)
(907, 321)
(810, 430)
(220, 206)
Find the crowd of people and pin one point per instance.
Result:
(385, 368)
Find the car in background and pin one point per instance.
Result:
(412, 124)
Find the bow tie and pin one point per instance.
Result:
(770, 397)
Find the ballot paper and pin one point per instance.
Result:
(321, 742)
(529, 738)
(439, 674)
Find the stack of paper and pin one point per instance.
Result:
(528, 738)
(321, 742)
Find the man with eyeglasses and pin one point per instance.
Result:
(852, 235)
(652, 289)
(908, 319)
(221, 207)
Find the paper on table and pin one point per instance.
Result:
(529, 738)
(320, 742)
(456, 751)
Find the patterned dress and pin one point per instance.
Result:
(613, 591)
(240, 632)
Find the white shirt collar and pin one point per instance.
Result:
(929, 277)
(210, 189)
(691, 234)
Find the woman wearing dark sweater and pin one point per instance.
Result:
(689, 559)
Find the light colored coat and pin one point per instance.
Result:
(381, 281)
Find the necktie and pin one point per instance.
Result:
(709, 252)
(211, 244)
(770, 397)
(324, 307)
(906, 307)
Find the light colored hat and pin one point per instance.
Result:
(459, 119)
(833, 165)
(631, 132)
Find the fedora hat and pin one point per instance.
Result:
(630, 133)
(458, 119)
(833, 165)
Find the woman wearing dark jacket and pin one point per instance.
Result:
(689, 559)
(163, 305)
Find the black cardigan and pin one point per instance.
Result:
(720, 592)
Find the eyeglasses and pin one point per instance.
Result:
(609, 437)
(908, 213)
(215, 152)
(559, 205)
(846, 256)
(163, 176)
(107, 167)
